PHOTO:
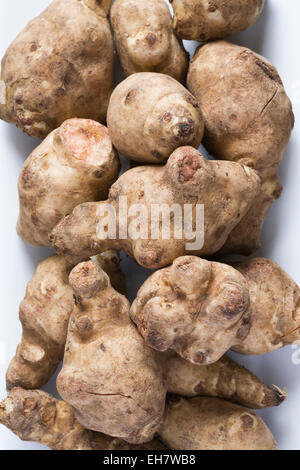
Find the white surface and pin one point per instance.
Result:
(276, 36)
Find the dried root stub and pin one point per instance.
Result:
(224, 379)
(39, 89)
(213, 424)
(204, 20)
(36, 416)
(226, 189)
(150, 115)
(74, 164)
(109, 375)
(248, 119)
(145, 39)
(198, 308)
(275, 303)
(44, 314)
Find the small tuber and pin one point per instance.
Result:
(59, 67)
(145, 39)
(150, 115)
(74, 164)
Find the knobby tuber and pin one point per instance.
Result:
(203, 20)
(213, 424)
(224, 379)
(248, 119)
(76, 163)
(36, 416)
(198, 308)
(145, 39)
(59, 67)
(150, 115)
(44, 314)
(109, 375)
(226, 189)
(275, 303)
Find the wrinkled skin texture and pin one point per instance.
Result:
(203, 20)
(76, 163)
(109, 376)
(145, 39)
(251, 123)
(224, 379)
(197, 308)
(213, 424)
(275, 303)
(36, 416)
(225, 189)
(150, 115)
(44, 314)
(59, 67)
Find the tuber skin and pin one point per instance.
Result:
(109, 376)
(110, 262)
(226, 189)
(213, 424)
(224, 379)
(251, 124)
(145, 39)
(34, 415)
(44, 314)
(275, 302)
(76, 163)
(200, 309)
(150, 115)
(40, 90)
(203, 20)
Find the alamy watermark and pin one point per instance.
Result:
(152, 222)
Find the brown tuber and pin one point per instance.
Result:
(109, 376)
(150, 115)
(198, 308)
(74, 164)
(36, 416)
(203, 20)
(248, 119)
(145, 39)
(59, 67)
(213, 424)
(226, 189)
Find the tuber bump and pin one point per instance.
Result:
(145, 39)
(109, 375)
(203, 20)
(74, 164)
(150, 115)
(248, 119)
(59, 67)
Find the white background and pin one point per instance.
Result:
(276, 36)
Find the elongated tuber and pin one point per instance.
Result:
(213, 424)
(74, 164)
(36, 416)
(197, 308)
(204, 20)
(275, 303)
(109, 376)
(145, 39)
(150, 115)
(224, 379)
(44, 314)
(225, 189)
(251, 123)
(59, 67)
